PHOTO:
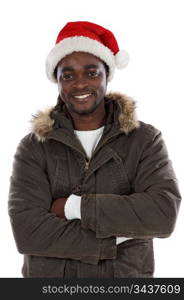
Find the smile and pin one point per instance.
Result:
(82, 96)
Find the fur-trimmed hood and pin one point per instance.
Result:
(42, 123)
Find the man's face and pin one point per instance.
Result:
(82, 82)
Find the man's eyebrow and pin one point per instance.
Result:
(67, 69)
(70, 69)
(91, 66)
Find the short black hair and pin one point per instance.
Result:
(106, 68)
(55, 72)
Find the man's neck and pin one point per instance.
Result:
(89, 122)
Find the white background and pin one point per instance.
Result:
(151, 31)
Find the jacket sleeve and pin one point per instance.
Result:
(150, 211)
(36, 230)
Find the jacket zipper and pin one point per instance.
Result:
(87, 164)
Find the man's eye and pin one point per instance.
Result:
(67, 76)
(93, 73)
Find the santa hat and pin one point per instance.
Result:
(86, 37)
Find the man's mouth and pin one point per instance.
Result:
(82, 96)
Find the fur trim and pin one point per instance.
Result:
(127, 118)
(42, 123)
(74, 44)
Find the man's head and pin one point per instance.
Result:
(82, 82)
(89, 38)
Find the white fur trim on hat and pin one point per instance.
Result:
(122, 59)
(79, 43)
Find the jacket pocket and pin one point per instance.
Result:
(39, 266)
(135, 258)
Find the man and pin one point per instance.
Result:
(91, 185)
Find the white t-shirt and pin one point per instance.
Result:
(89, 139)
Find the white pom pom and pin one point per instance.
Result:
(121, 59)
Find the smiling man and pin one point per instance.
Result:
(82, 82)
(91, 185)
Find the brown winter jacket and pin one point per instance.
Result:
(128, 189)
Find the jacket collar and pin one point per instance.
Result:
(42, 123)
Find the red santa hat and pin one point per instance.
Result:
(86, 37)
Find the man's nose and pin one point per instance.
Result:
(80, 82)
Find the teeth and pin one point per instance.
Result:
(82, 96)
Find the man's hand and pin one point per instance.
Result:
(58, 207)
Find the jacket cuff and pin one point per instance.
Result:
(88, 212)
(108, 249)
